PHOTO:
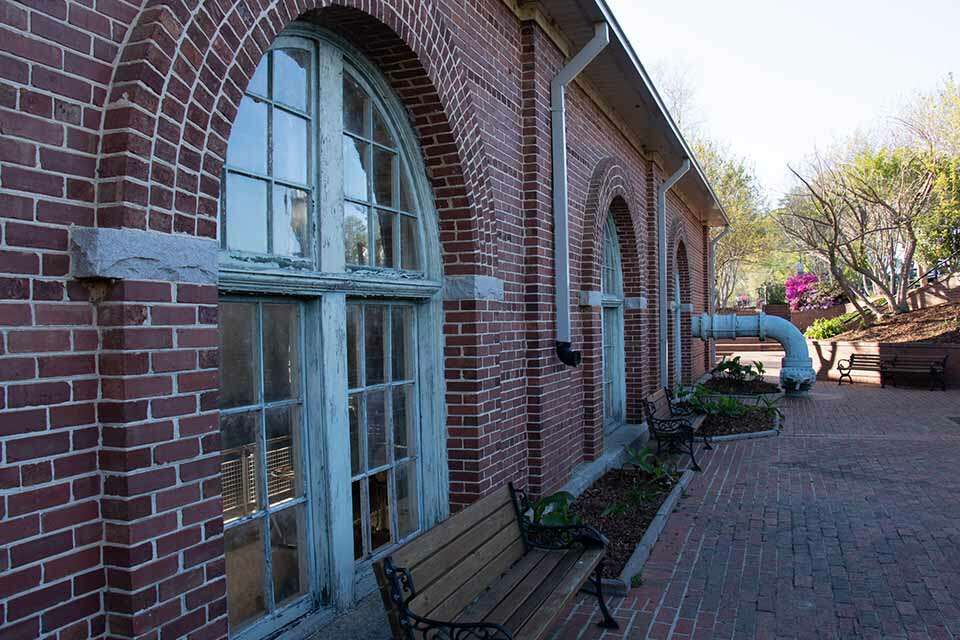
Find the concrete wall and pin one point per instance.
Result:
(826, 354)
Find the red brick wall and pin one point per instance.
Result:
(116, 114)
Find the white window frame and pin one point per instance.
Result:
(677, 308)
(612, 329)
(323, 283)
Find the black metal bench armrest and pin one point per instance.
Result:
(402, 591)
(843, 367)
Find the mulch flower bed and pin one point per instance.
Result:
(633, 501)
(721, 384)
(753, 420)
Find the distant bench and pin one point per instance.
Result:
(672, 427)
(889, 368)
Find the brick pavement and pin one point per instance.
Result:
(846, 526)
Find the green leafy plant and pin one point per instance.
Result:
(734, 370)
(646, 461)
(770, 408)
(554, 510)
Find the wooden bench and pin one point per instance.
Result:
(489, 573)
(860, 362)
(934, 368)
(671, 427)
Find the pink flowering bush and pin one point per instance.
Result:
(805, 291)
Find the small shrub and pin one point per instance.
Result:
(554, 510)
(824, 328)
(772, 293)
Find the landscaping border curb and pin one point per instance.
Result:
(744, 436)
(620, 586)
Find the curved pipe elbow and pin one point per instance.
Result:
(567, 355)
(796, 368)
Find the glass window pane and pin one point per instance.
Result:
(281, 352)
(355, 168)
(374, 326)
(383, 235)
(247, 148)
(289, 146)
(239, 357)
(258, 83)
(290, 219)
(246, 599)
(407, 201)
(246, 214)
(290, 72)
(403, 411)
(355, 234)
(354, 379)
(376, 428)
(381, 132)
(239, 463)
(354, 107)
(356, 433)
(409, 244)
(288, 552)
(408, 501)
(379, 510)
(401, 320)
(383, 163)
(284, 477)
(357, 520)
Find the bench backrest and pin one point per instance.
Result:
(865, 361)
(919, 361)
(452, 563)
(657, 405)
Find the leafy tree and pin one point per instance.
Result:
(740, 193)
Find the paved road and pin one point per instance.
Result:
(845, 526)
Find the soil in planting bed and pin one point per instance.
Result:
(634, 501)
(753, 420)
(721, 384)
(940, 323)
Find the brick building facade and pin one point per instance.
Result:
(115, 119)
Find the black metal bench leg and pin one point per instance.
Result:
(707, 445)
(608, 622)
(693, 457)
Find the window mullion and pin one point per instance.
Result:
(263, 480)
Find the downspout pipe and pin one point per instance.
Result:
(712, 302)
(561, 239)
(662, 304)
(796, 368)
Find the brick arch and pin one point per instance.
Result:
(609, 194)
(182, 73)
(680, 263)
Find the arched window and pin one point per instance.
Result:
(332, 451)
(677, 307)
(614, 387)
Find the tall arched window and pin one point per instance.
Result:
(677, 307)
(332, 447)
(614, 387)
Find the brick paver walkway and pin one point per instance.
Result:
(845, 526)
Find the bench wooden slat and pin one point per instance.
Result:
(536, 577)
(547, 586)
(413, 553)
(460, 572)
(538, 624)
(435, 567)
(481, 606)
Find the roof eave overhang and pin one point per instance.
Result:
(623, 83)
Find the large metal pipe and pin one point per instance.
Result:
(796, 368)
(561, 242)
(662, 308)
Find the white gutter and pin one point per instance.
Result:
(796, 367)
(662, 345)
(712, 302)
(561, 241)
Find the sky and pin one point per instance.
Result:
(776, 79)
